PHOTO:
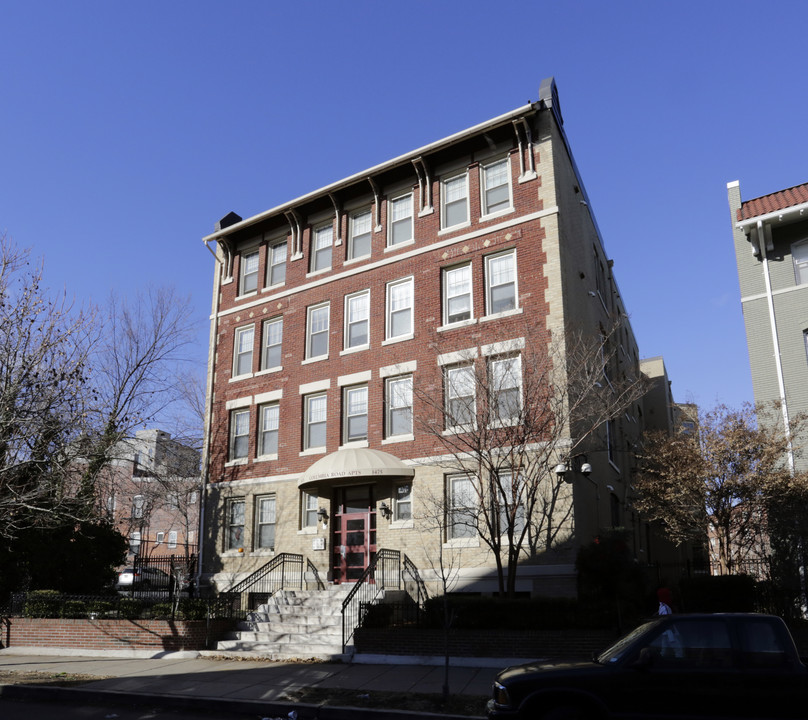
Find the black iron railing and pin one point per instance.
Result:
(311, 570)
(413, 578)
(283, 571)
(383, 573)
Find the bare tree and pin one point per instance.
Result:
(724, 478)
(138, 366)
(44, 397)
(503, 422)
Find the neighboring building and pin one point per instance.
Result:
(771, 249)
(152, 492)
(334, 313)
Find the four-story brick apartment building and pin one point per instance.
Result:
(340, 317)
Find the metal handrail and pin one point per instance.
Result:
(411, 570)
(273, 576)
(383, 572)
(312, 568)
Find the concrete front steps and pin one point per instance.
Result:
(293, 624)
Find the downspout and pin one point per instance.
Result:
(217, 278)
(778, 363)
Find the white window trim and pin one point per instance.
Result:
(313, 244)
(307, 448)
(399, 437)
(256, 530)
(346, 441)
(309, 312)
(347, 323)
(363, 211)
(398, 196)
(484, 214)
(244, 253)
(471, 320)
(270, 245)
(388, 311)
(456, 429)
(488, 286)
(264, 326)
(236, 341)
(444, 228)
(231, 461)
(263, 457)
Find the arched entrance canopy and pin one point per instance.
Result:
(358, 463)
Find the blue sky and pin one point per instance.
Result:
(128, 129)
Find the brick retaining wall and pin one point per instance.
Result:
(158, 635)
(551, 644)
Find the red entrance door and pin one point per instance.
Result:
(354, 540)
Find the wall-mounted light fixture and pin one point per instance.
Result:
(385, 510)
(322, 515)
(577, 464)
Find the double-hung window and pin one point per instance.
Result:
(398, 391)
(315, 418)
(269, 417)
(172, 539)
(355, 421)
(273, 339)
(457, 294)
(239, 434)
(317, 331)
(402, 502)
(308, 510)
(248, 280)
(322, 245)
(461, 522)
(455, 200)
(401, 220)
(276, 264)
(799, 252)
(511, 503)
(235, 524)
(399, 309)
(265, 523)
(461, 406)
(360, 235)
(243, 350)
(357, 320)
(496, 187)
(506, 388)
(500, 282)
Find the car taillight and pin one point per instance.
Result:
(500, 693)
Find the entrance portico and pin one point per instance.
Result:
(353, 474)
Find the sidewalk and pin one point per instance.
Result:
(187, 679)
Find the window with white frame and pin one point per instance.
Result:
(506, 388)
(269, 418)
(276, 263)
(357, 320)
(355, 407)
(461, 407)
(248, 280)
(321, 246)
(239, 434)
(496, 187)
(134, 542)
(359, 239)
(398, 394)
(401, 230)
(138, 504)
(172, 539)
(265, 517)
(457, 294)
(399, 309)
(234, 532)
(799, 252)
(500, 282)
(511, 503)
(273, 339)
(402, 502)
(308, 509)
(315, 408)
(455, 200)
(159, 538)
(461, 504)
(317, 331)
(243, 350)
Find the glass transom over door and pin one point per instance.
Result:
(354, 541)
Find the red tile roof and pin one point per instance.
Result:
(780, 200)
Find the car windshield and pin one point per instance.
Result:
(615, 652)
